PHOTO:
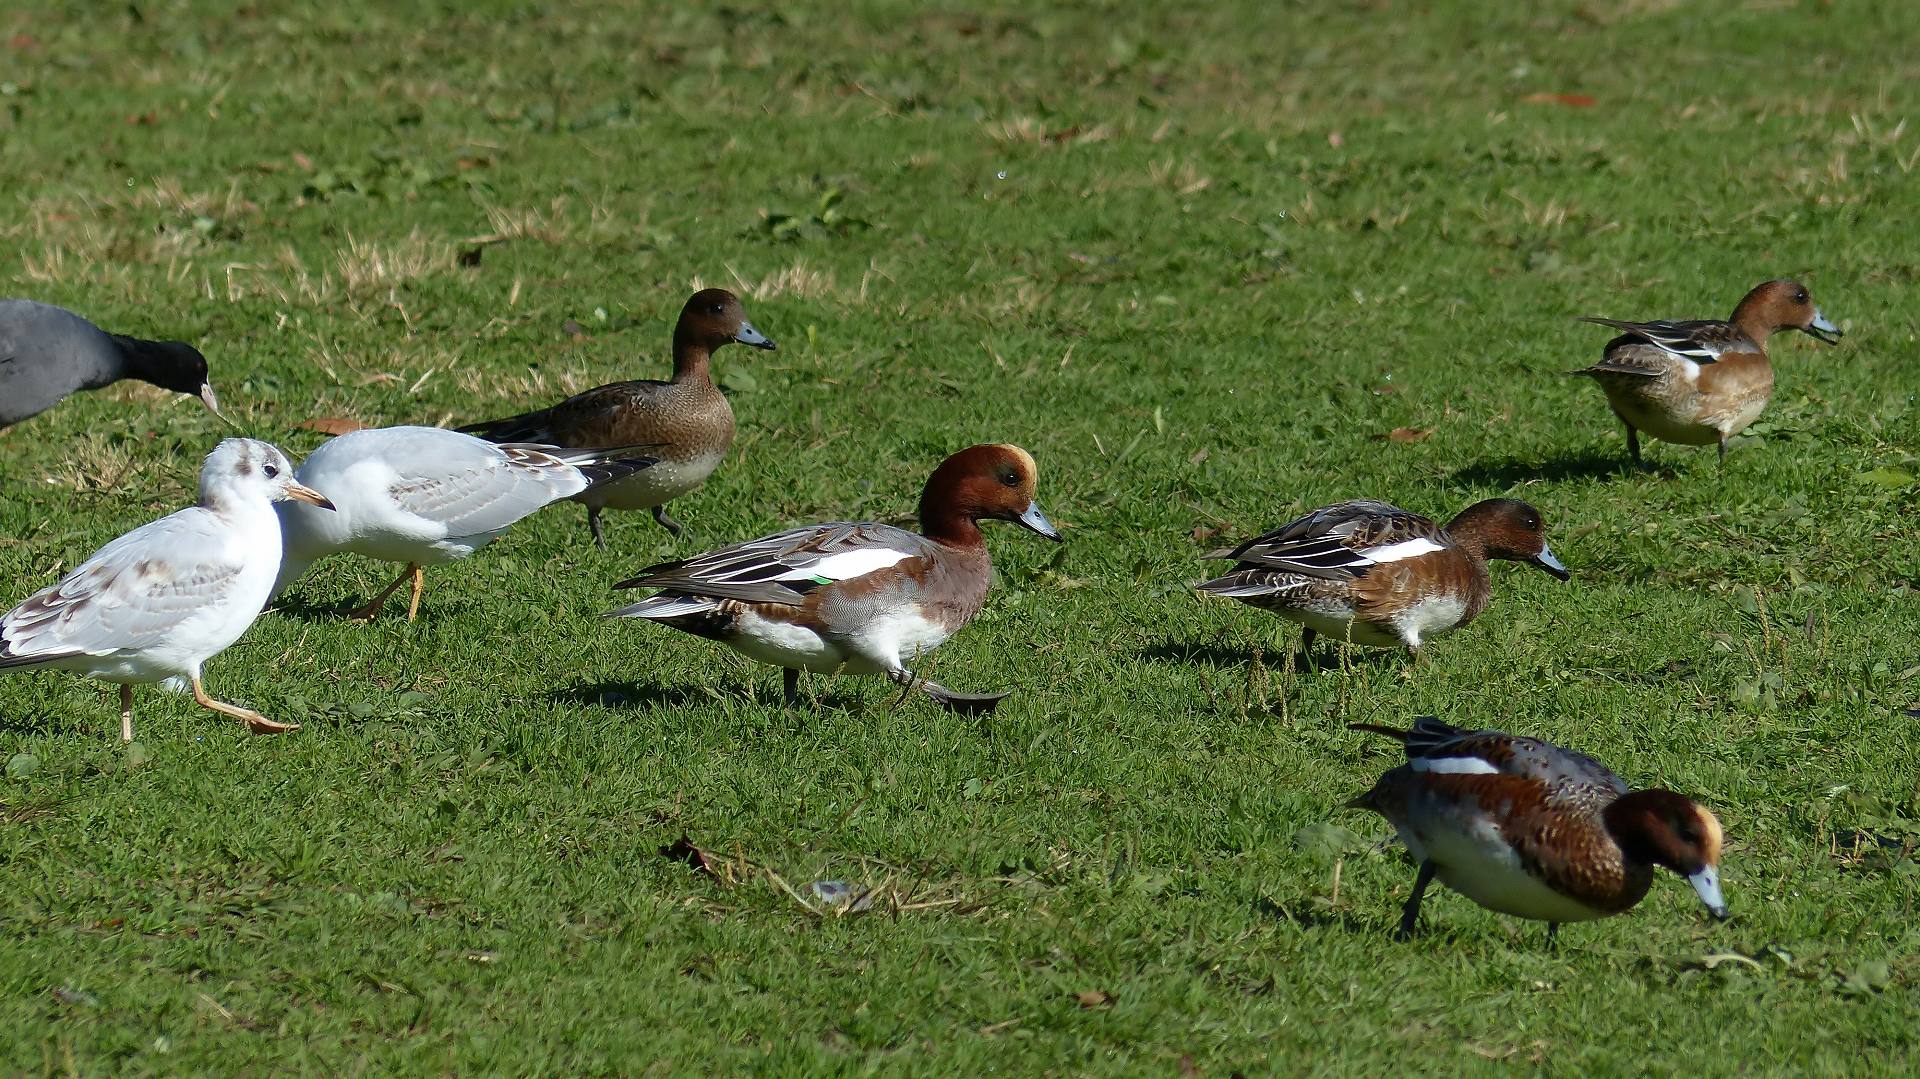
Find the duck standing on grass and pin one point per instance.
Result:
(1527, 828)
(1700, 383)
(1368, 573)
(856, 597)
(48, 352)
(687, 419)
(161, 600)
(423, 496)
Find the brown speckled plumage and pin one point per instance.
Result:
(686, 421)
(1701, 382)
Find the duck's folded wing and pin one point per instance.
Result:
(131, 594)
(1342, 541)
(530, 427)
(784, 567)
(1702, 341)
(1441, 749)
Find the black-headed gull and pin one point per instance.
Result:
(161, 600)
(422, 496)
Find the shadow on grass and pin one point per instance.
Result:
(626, 694)
(1312, 912)
(49, 724)
(1325, 658)
(1581, 466)
(302, 609)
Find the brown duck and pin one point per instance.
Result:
(685, 421)
(1700, 383)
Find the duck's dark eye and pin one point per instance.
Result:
(717, 309)
(271, 471)
(1800, 297)
(1010, 478)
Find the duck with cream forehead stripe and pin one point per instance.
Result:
(1372, 574)
(856, 597)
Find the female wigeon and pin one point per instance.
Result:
(686, 419)
(422, 496)
(1373, 574)
(858, 598)
(1701, 382)
(1527, 828)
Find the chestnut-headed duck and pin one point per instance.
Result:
(48, 352)
(1527, 828)
(1700, 383)
(422, 496)
(686, 419)
(856, 598)
(1368, 573)
(157, 603)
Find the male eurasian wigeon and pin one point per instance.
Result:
(157, 603)
(1373, 574)
(686, 419)
(858, 598)
(48, 352)
(1701, 382)
(422, 496)
(1527, 828)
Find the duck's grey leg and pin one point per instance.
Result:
(1410, 913)
(666, 522)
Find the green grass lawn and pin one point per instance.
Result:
(1200, 262)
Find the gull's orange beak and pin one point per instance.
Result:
(302, 493)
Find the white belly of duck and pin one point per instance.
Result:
(1479, 863)
(655, 485)
(1410, 628)
(784, 644)
(1429, 617)
(884, 645)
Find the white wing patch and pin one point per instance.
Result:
(1394, 552)
(1454, 766)
(847, 564)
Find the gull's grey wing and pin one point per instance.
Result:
(481, 487)
(131, 594)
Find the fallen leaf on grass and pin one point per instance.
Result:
(1573, 101)
(1406, 434)
(331, 425)
(683, 850)
(1093, 998)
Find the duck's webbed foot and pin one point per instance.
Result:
(965, 703)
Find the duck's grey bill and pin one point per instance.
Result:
(750, 336)
(1707, 884)
(1546, 561)
(1822, 329)
(1032, 518)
